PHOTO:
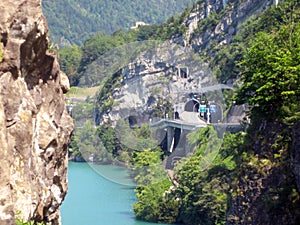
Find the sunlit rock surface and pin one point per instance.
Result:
(34, 124)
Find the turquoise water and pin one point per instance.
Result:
(95, 200)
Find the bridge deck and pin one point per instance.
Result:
(190, 121)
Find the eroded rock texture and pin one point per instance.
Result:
(34, 124)
(265, 191)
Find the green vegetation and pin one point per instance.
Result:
(72, 21)
(79, 92)
(201, 197)
(69, 60)
(226, 58)
(76, 60)
(269, 70)
(153, 203)
(152, 182)
(80, 64)
(265, 58)
(22, 222)
(86, 144)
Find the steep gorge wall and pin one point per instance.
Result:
(34, 124)
(265, 189)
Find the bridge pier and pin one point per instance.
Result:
(170, 138)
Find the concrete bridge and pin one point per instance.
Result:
(177, 129)
(189, 124)
(191, 121)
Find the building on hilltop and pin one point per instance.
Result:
(138, 24)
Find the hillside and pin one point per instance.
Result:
(252, 177)
(73, 21)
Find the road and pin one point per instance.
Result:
(191, 118)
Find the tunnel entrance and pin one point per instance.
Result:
(133, 121)
(176, 115)
(191, 106)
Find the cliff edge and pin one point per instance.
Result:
(34, 125)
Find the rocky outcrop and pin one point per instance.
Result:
(219, 21)
(295, 156)
(166, 74)
(265, 190)
(174, 69)
(34, 124)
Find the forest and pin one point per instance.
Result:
(73, 21)
(75, 60)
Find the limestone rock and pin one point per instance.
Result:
(174, 69)
(164, 74)
(34, 124)
(64, 82)
(226, 28)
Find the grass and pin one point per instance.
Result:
(76, 92)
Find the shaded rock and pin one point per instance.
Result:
(265, 191)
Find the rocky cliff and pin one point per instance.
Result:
(265, 190)
(225, 18)
(181, 66)
(158, 77)
(34, 124)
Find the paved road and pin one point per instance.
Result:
(192, 118)
(187, 121)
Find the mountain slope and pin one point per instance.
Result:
(253, 182)
(73, 21)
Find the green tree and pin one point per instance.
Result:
(73, 21)
(154, 204)
(69, 60)
(154, 200)
(271, 71)
(204, 191)
(90, 145)
(147, 166)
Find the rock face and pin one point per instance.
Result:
(174, 70)
(265, 191)
(220, 30)
(167, 74)
(34, 124)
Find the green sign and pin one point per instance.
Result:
(202, 108)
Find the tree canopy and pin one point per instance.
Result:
(271, 71)
(73, 21)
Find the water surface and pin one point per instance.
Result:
(95, 200)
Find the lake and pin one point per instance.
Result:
(99, 195)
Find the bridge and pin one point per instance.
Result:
(177, 129)
(190, 121)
